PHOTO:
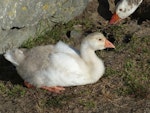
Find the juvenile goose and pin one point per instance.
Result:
(124, 8)
(53, 67)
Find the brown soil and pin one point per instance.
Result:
(106, 95)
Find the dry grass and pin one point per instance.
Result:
(125, 86)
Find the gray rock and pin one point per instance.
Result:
(21, 19)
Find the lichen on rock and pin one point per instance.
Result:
(20, 19)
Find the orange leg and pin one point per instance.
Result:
(55, 89)
(28, 85)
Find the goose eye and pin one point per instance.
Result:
(100, 39)
(120, 9)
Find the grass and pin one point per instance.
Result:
(57, 33)
(54, 102)
(110, 72)
(3, 88)
(133, 72)
(136, 68)
(135, 83)
(57, 101)
(87, 103)
(15, 91)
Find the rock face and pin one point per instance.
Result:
(21, 19)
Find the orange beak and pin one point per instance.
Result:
(114, 19)
(108, 44)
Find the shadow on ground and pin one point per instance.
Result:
(8, 72)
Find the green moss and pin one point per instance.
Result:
(17, 91)
(14, 91)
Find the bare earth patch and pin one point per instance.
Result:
(124, 88)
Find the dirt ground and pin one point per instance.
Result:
(122, 89)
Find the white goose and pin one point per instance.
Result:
(124, 8)
(53, 67)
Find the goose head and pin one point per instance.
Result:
(124, 8)
(97, 41)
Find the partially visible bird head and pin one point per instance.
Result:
(124, 8)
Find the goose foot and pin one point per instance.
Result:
(28, 85)
(55, 89)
